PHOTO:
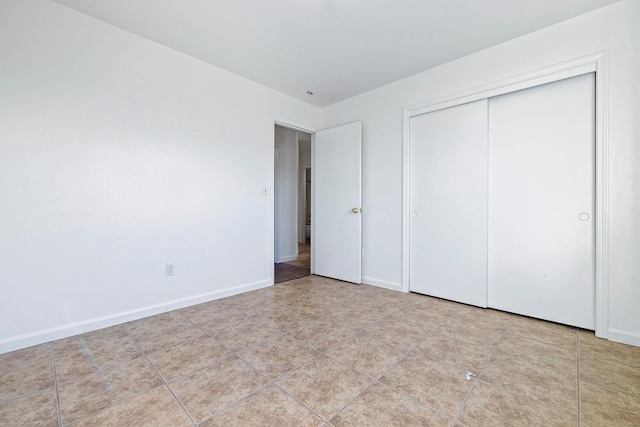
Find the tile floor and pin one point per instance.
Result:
(318, 352)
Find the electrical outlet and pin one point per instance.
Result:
(170, 270)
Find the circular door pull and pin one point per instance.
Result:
(583, 216)
(355, 210)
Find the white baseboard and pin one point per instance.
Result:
(64, 331)
(382, 284)
(288, 258)
(625, 337)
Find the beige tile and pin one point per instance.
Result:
(434, 305)
(215, 306)
(601, 406)
(484, 317)
(324, 385)
(87, 394)
(399, 334)
(97, 339)
(442, 348)
(168, 320)
(547, 332)
(322, 334)
(278, 355)
(558, 390)
(534, 352)
(245, 334)
(366, 354)
(25, 375)
(381, 406)
(17, 359)
(416, 316)
(269, 406)
(318, 305)
(287, 318)
(216, 386)
(154, 408)
(188, 356)
(624, 378)
(84, 360)
(481, 335)
(493, 406)
(441, 387)
(37, 409)
(151, 339)
(609, 350)
(357, 317)
(381, 306)
(215, 320)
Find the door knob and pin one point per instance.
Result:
(583, 216)
(355, 210)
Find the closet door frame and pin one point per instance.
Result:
(595, 63)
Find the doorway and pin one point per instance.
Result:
(292, 204)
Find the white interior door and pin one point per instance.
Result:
(541, 201)
(336, 221)
(448, 193)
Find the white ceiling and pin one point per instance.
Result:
(334, 48)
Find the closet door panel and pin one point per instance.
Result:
(541, 201)
(448, 193)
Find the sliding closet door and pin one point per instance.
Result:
(448, 193)
(541, 201)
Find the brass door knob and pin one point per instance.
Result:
(355, 210)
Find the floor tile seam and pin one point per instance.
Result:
(337, 361)
(356, 397)
(301, 402)
(166, 385)
(237, 402)
(479, 375)
(579, 375)
(214, 362)
(280, 376)
(512, 390)
(107, 366)
(404, 356)
(55, 384)
(113, 404)
(541, 341)
(204, 334)
(207, 417)
(269, 340)
(414, 400)
(323, 349)
(531, 401)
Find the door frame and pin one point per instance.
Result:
(595, 63)
(302, 127)
(302, 203)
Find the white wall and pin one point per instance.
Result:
(118, 155)
(615, 28)
(286, 200)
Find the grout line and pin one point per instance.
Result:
(208, 417)
(477, 378)
(578, 373)
(164, 382)
(55, 383)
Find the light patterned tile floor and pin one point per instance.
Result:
(320, 352)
